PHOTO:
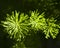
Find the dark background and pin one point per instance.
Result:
(51, 9)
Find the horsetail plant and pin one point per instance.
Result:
(48, 26)
(51, 29)
(17, 25)
(37, 20)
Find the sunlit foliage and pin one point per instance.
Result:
(15, 25)
(51, 28)
(18, 25)
(48, 26)
(37, 20)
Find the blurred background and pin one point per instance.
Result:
(51, 9)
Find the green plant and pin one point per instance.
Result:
(48, 26)
(51, 28)
(18, 25)
(37, 20)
